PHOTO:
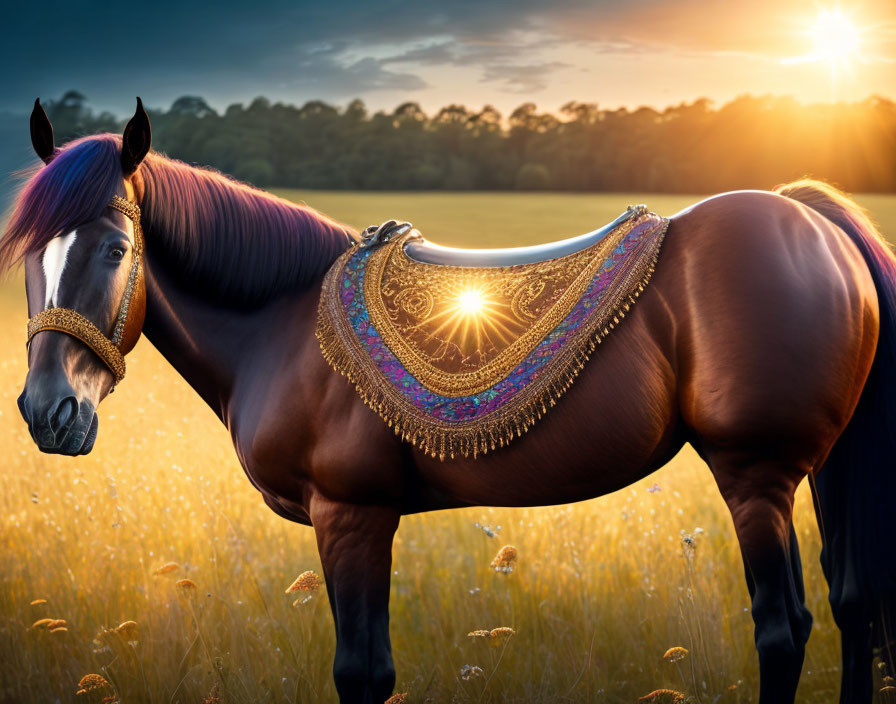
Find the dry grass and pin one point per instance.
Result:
(599, 591)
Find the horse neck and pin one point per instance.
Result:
(207, 339)
(210, 344)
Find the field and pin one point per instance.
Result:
(602, 588)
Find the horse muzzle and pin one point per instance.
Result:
(58, 422)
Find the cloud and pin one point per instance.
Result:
(332, 73)
(474, 51)
(441, 52)
(522, 78)
(497, 60)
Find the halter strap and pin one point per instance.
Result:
(132, 212)
(73, 323)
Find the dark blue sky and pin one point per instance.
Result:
(503, 52)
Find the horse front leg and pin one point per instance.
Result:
(355, 545)
(760, 498)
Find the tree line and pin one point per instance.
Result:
(750, 142)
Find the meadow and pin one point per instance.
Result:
(600, 591)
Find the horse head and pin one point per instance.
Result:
(85, 287)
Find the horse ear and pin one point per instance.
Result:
(136, 141)
(42, 133)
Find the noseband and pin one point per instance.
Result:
(128, 322)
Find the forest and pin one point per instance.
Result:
(750, 142)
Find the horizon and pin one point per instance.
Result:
(341, 105)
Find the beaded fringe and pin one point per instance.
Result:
(451, 440)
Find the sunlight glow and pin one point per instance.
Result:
(836, 37)
(471, 302)
(475, 320)
(837, 42)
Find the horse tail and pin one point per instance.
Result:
(856, 488)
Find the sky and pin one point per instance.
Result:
(436, 52)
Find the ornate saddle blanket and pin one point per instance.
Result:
(459, 360)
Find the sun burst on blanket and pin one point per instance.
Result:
(474, 319)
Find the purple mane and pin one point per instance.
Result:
(219, 235)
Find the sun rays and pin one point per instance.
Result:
(836, 40)
(835, 36)
(470, 302)
(475, 318)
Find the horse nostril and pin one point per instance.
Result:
(64, 414)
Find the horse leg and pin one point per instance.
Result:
(857, 682)
(760, 498)
(355, 545)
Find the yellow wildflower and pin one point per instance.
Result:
(663, 696)
(90, 683)
(128, 630)
(308, 581)
(501, 635)
(505, 560)
(214, 697)
(167, 568)
(675, 654)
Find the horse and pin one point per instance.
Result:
(766, 339)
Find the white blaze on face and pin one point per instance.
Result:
(54, 262)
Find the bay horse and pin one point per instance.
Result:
(766, 339)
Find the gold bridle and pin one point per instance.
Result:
(111, 350)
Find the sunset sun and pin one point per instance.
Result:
(836, 38)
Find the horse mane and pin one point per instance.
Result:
(221, 237)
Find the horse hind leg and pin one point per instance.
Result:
(759, 495)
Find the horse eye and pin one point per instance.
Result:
(116, 253)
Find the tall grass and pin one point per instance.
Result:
(599, 592)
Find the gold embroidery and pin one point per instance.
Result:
(460, 330)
